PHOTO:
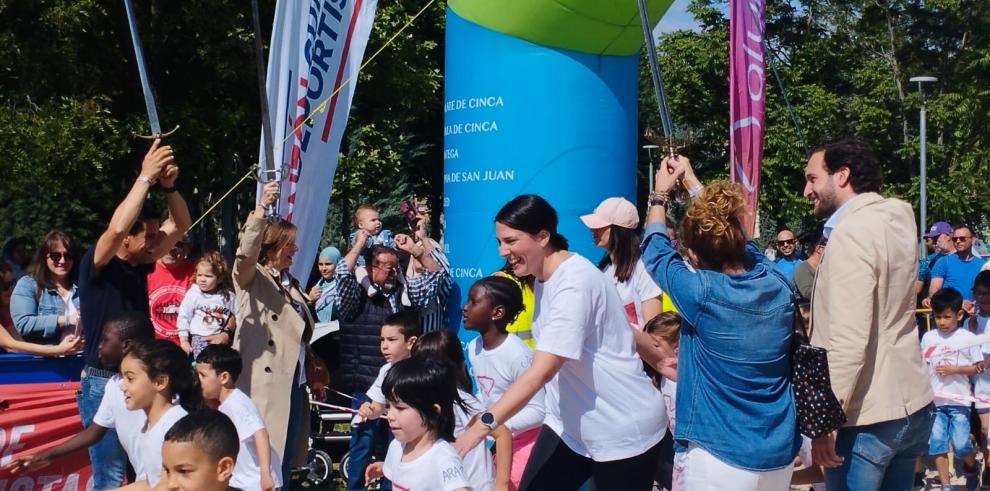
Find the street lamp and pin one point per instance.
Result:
(923, 181)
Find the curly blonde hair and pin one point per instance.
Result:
(711, 227)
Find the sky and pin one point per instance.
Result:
(677, 17)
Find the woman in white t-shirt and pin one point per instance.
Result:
(613, 227)
(603, 416)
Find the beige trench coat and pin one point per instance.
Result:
(268, 338)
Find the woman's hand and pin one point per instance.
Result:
(669, 172)
(470, 438)
(269, 194)
(314, 294)
(70, 344)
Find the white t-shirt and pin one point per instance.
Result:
(203, 314)
(496, 369)
(248, 421)
(113, 414)
(438, 469)
(668, 389)
(149, 443)
(950, 385)
(375, 391)
(639, 288)
(982, 381)
(600, 403)
(478, 469)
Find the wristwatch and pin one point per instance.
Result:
(659, 198)
(488, 419)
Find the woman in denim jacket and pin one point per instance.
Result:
(45, 303)
(736, 426)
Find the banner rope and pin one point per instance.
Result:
(319, 109)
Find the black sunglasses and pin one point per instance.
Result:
(57, 257)
(787, 242)
(960, 239)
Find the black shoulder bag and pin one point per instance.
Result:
(818, 410)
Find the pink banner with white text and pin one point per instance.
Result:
(747, 98)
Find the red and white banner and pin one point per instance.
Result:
(35, 417)
(317, 46)
(747, 97)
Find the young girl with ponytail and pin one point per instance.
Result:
(153, 374)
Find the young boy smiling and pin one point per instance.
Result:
(200, 452)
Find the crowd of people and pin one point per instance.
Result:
(199, 370)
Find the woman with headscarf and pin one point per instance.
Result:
(325, 290)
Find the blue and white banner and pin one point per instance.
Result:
(317, 47)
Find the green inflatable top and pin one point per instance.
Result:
(610, 27)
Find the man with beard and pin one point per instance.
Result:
(113, 280)
(863, 314)
(363, 306)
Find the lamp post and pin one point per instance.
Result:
(923, 181)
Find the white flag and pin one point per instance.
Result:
(317, 47)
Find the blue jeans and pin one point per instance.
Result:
(107, 457)
(951, 424)
(881, 456)
(368, 439)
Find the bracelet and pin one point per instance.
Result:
(167, 189)
(659, 198)
(694, 190)
(146, 180)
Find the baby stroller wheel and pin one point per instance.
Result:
(320, 467)
(344, 461)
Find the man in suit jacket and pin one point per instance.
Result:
(863, 314)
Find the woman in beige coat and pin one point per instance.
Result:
(274, 332)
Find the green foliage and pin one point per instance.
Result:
(845, 66)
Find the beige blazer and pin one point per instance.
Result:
(268, 337)
(863, 311)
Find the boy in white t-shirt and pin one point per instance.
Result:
(199, 452)
(258, 467)
(950, 364)
(118, 332)
(978, 325)
(398, 335)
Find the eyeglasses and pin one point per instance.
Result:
(57, 257)
(961, 239)
(787, 242)
(386, 269)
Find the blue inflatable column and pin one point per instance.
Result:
(524, 118)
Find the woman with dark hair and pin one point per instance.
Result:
(613, 228)
(45, 304)
(11, 340)
(734, 351)
(604, 418)
(275, 326)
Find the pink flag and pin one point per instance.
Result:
(746, 97)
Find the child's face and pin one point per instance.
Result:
(139, 389)
(947, 320)
(327, 268)
(394, 345)
(187, 467)
(666, 347)
(111, 348)
(981, 295)
(206, 279)
(478, 311)
(369, 221)
(209, 381)
(405, 422)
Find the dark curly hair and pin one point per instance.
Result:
(864, 170)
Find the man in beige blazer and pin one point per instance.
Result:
(863, 314)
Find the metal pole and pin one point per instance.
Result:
(923, 181)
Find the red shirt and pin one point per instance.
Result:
(166, 287)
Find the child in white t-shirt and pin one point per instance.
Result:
(258, 467)
(398, 334)
(665, 331)
(199, 452)
(421, 395)
(113, 413)
(978, 325)
(153, 374)
(209, 305)
(498, 359)
(950, 364)
(445, 346)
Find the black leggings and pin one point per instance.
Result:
(552, 466)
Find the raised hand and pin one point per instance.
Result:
(157, 158)
(168, 176)
(406, 243)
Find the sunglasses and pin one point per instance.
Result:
(960, 239)
(787, 242)
(57, 257)
(386, 269)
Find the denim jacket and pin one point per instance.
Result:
(37, 320)
(734, 396)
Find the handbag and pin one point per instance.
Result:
(818, 410)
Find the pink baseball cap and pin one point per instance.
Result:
(613, 211)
